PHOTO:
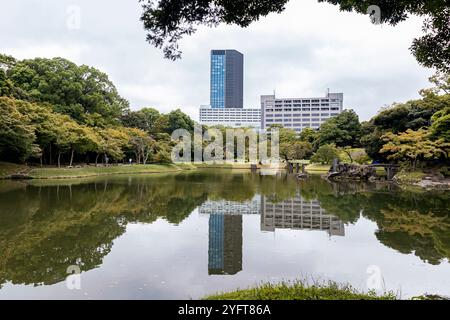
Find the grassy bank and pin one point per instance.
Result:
(61, 173)
(244, 166)
(317, 168)
(409, 177)
(7, 169)
(300, 291)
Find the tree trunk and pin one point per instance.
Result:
(71, 157)
(96, 159)
(349, 156)
(50, 151)
(59, 159)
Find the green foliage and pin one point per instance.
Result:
(309, 135)
(430, 111)
(414, 146)
(143, 146)
(143, 119)
(441, 124)
(167, 21)
(17, 135)
(342, 130)
(113, 142)
(351, 155)
(301, 291)
(325, 154)
(286, 135)
(60, 112)
(298, 150)
(79, 91)
(178, 120)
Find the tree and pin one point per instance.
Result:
(342, 130)
(414, 115)
(143, 119)
(325, 154)
(167, 21)
(45, 124)
(78, 91)
(17, 137)
(179, 120)
(142, 145)
(298, 150)
(441, 124)
(414, 146)
(112, 142)
(371, 140)
(162, 152)
(73, 137)
(5, 84)
(309, 135)
(286, 135)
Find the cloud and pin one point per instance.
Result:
(303, 51)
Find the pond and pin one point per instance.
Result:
(187, 235)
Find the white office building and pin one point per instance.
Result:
(230, 117)
(300, 113)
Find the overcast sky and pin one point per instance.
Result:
(301, 52)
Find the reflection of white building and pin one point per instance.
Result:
(230, 207)
(297, 213)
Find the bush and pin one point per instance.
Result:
(325, 154)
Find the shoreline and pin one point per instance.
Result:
(52, 173)
(17, 172)
(22, 172)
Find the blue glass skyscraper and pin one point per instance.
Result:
(227, 79)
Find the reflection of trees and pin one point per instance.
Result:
(409, 222)
(427, 235)
(44, 229)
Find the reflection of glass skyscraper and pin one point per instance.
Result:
(227, 79)
(225, 244)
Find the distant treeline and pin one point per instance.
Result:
(413, 133)
(54, 111)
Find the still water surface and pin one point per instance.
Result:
(187, 235)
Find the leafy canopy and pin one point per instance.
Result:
(82, 92)
(167, 21)
(414, 146)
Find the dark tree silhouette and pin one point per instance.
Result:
(167, 21)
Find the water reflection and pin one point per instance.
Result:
(47, 227)
(225, 244)
(298, 214)
(225, 225)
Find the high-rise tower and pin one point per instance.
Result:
(227, 79)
